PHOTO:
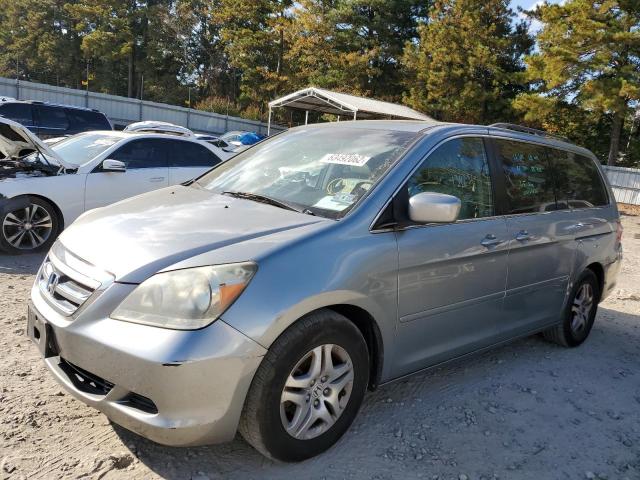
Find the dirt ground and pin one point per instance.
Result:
(529, 410)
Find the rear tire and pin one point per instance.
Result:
(326, 399)
(27, 225)
(579, 314)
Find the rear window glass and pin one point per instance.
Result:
(528, 176)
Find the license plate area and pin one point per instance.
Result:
(41, 333)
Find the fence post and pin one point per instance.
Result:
(17, 89)
(140, 110)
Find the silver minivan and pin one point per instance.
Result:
(269, 294)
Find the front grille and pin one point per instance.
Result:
(61, 289)
(85, 381)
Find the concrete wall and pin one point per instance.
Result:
(122, 110)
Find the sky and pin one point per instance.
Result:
(530, 5)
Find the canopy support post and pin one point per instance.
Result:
(355, 114)
(306, 117)
(269, 122)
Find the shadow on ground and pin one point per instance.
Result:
(529, 409)
(21, 264)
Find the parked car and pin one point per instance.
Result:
(158, 127)
(240, 140)
(50, 120)
(45, 191)
(270, 293)
(215, 141)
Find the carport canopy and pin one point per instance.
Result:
(315, 99)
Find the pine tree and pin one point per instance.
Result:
(589, 55)
(467, 64)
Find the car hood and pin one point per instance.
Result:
(15, 137)
(138, 237)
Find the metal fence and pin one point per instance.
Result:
(122, 110)
(625, 183)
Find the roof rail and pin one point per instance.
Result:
(533, 131)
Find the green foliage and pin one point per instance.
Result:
(466, 65)
(589, 56)
(459, 60)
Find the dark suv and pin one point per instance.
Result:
(50, 120)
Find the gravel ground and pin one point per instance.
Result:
(529, 410)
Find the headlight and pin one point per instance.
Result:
(186, 299)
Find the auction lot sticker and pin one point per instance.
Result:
(354, 159)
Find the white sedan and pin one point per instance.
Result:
(45, 191)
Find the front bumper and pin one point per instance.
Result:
(174, 387)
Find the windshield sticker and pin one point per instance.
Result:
(353, 159)
(336, 202)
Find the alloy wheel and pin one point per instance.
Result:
(316, 391)
(27, 228)
(581, 308)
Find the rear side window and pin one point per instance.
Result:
(579, 184)
(142, 153)
(190, 154)
(52, 117)
(85, 120)
(459, 167)
(528, 176)
(18, 112)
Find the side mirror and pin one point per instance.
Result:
(430, 207)
(110, 165)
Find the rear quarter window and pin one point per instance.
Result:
(85, 120)
(579, 182)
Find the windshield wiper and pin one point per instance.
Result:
(263, 199)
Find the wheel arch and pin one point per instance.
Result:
(11, 203)
(598, 270)
(367, 325)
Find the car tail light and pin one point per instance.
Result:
(619, 231)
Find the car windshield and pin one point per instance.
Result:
(323, 171)
(79, 149)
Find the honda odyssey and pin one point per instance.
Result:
(269, 294)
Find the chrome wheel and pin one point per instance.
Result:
(316, 392)
(27, 228)
(581, 308)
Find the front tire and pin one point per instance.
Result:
(579, 314)
(308, 388)
(31, 226)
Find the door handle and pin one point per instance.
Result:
(490, 241)
(523, 236)
(156, 179)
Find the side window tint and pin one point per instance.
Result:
(52, 117)
(83, 120)
(149, 153)
(18, 112)
(459, 168)
(189, 154)
(529, 178)
(578, 181)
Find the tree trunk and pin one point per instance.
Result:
(614, 145)
(131, 74)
